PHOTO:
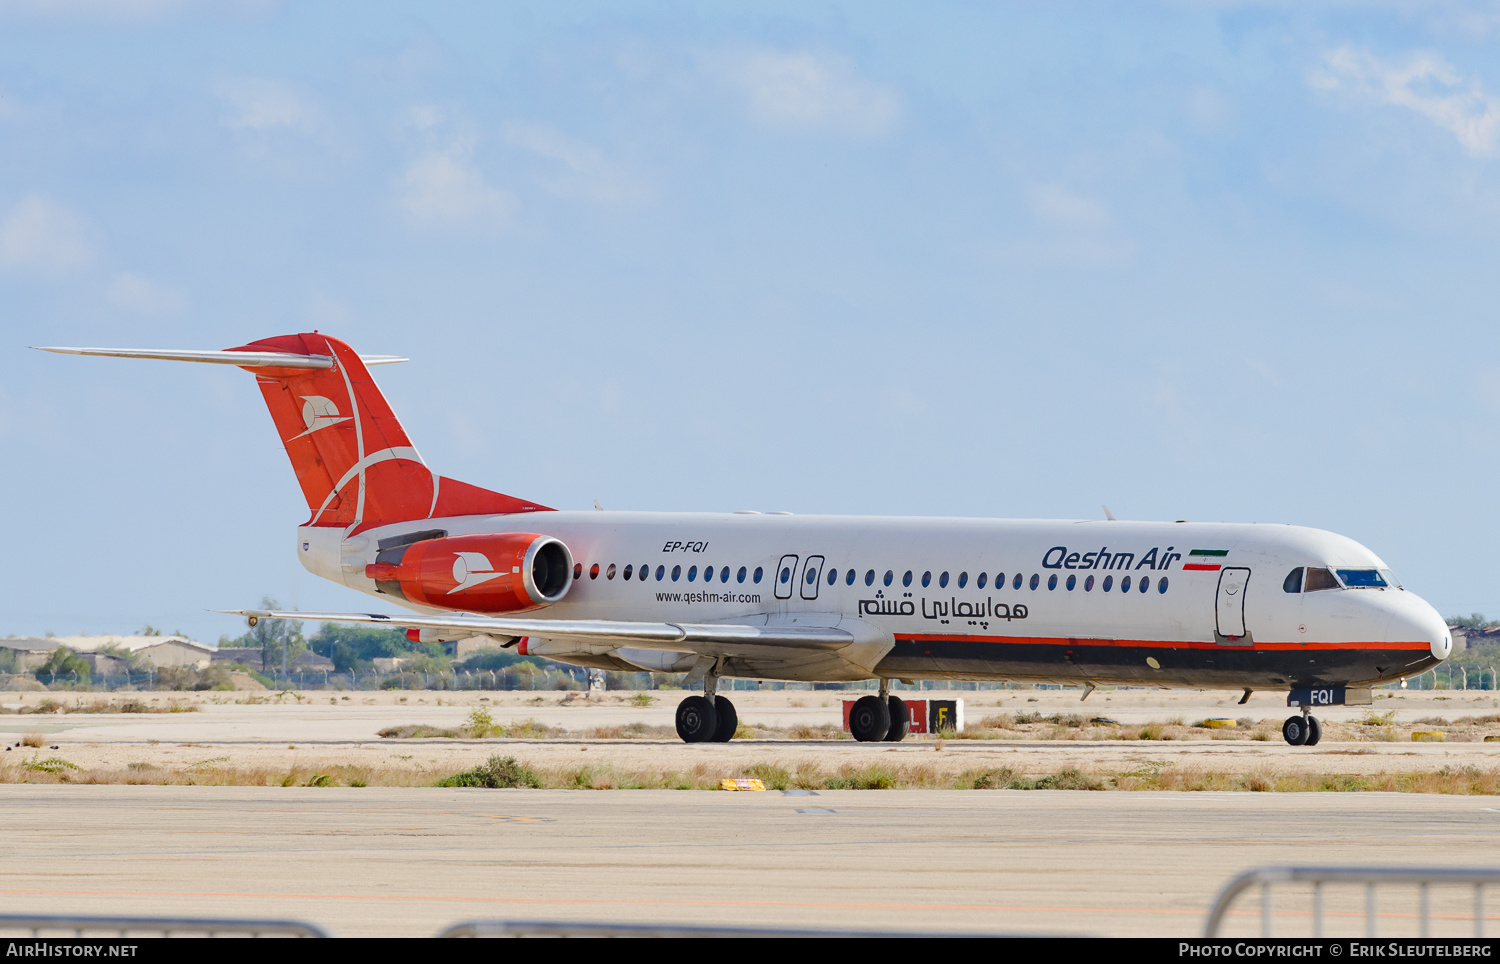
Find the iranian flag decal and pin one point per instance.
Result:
(1199, 559)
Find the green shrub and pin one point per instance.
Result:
(480, 723)
(998, 779)
(870, 778)
(496, 773)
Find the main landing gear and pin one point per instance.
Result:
(873, 719)
(709, 718)
(1304, 730)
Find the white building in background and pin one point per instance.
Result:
(159, 651)
(30, 651)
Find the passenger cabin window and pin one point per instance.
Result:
(740, 576)
(758, 573)
(1293, 581)
(1319, 579)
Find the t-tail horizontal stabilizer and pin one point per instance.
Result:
(356, 466)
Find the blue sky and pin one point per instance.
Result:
(1206, 261)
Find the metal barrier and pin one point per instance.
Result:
(548, 928)
(1370, 877)
(157, 926)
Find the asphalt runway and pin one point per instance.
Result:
(408, 862)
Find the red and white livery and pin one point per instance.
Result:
(828, 598)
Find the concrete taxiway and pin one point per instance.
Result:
(394, 861)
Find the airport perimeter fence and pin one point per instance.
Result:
(90, 926)
(1311, 898)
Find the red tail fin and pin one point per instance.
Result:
(353, 460)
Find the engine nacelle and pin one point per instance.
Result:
(505, 572)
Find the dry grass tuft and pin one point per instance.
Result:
(50, 705)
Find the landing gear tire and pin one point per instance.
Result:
(697, 721)
(900, 720)
(870, 719)
(1295, 731)
(729, 720)
(1314, 731)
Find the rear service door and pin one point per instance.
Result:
(786, 573)
(1233, 583)
(811, 573)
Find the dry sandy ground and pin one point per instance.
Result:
(241, 732)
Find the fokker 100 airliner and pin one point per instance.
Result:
(826, 598)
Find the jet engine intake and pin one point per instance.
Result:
(506, 572)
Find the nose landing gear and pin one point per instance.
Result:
(1304, 730)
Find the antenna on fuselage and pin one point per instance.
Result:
(1108, 514)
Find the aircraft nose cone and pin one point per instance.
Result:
(1421, 621)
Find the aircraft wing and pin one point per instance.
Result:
(707, 638)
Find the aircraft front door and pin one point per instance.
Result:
(786, 574)
(1231, 605)
(811, 573)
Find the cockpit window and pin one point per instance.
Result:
(1319, 579)
(1364, 578)
(1293, 581)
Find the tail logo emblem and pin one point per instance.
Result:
(319, 413)
(470, 569)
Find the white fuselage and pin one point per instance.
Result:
(1215, 610)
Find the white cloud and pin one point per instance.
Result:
(144, 296)
(586, 173)
(1425, 83)
(804, 89)
(43, 237)
(444, 188)
(260, 104)
(1062, 208)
